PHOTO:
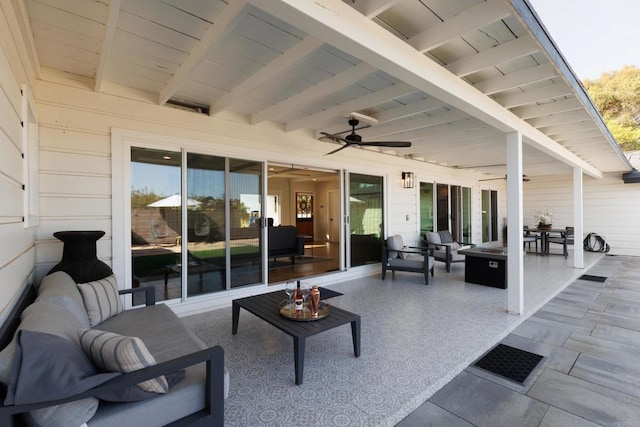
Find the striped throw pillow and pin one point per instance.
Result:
(112, 352)
(101, 299)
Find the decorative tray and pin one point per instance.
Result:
(288, 311)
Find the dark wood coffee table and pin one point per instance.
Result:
(267, 308)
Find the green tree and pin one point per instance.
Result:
(616, 95)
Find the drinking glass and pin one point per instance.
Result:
(305, 288)
(290, 288)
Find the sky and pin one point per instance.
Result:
(594, 36)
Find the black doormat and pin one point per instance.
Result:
(328, 293)
(509, 362)
(591, 278)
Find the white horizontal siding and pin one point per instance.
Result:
(17, 251)
(611, 208)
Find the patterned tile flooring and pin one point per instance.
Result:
(590, 337)
(415, 340)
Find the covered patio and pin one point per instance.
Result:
(415, 339)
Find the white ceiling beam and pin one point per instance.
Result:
(321, 89)
(443, 144)
(559, 119)
(570, 128)
(378, 97)
(555, 107)
(577, 135)
(372, 8)
(480, 16)
(516, 79)
(272, 70)
(19, 28)
(463, 128)
(408, 110)
(538, 94)
(500, 54)
(418, 108)
(107, 43)
(215, 34)
(343, 27)
(380, 131)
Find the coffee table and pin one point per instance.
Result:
(266, 307)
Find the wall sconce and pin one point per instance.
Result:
(408, 179)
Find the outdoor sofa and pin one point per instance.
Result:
(50, 364)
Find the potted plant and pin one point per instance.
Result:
(544, 217)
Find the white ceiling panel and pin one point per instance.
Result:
(310, 64)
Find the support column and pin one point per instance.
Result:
(515, 254)
(578, 218)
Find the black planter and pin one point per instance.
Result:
(79, 259)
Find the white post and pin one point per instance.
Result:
(515, 252)
(578, 217)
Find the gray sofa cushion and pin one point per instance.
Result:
(166, 337)
(433, 237)
(112, 352)
(61, 289)
(49, 317)
(41, 316)
(101, 299)
(49, 367)
(394, 244)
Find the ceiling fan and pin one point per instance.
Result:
(354, 139)
(524, 178)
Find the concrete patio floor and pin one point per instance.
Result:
(416, 340)
(589, 335)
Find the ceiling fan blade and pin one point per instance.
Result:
(338, 149)
(351, 130)
(400, 144)
(328, 136)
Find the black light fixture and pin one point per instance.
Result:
(408, 179)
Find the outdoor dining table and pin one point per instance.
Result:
(544, 237)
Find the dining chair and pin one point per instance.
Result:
(565, 239)
(529, 237)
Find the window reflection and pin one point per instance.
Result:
(155, 221)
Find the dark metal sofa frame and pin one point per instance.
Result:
(211, 415)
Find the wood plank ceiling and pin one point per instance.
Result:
(274, 60)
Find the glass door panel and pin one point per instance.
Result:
(466, 215)
(489, 215)
(206, 236)
(461, 213)
(245, 239)
(426, 208)
(442, 210)
(366, 218)
(156, 222)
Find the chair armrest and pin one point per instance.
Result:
(150, 293)
(213, 356)
(417, 250)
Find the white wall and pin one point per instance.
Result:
(17, 250)
(75, 132)
(611, 208)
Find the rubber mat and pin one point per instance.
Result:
(591, 278)
(509, 362)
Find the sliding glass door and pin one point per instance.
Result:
(451, 209)
(206, 242)
(366, 218)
